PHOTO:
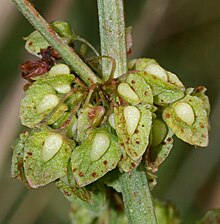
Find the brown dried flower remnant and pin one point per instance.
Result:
(32, 69)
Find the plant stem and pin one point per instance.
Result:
(112, 35)
(135, 190)
(137, 197)
(68, 55)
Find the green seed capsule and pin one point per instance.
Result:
(128, 93)
(59, 69)
(52, 145)
(47, 103)
(63, 89)
(159, 131)
(100, 145)
(156, 70)
(185, 112)
(132, 117)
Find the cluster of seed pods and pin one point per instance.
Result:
(77, 134)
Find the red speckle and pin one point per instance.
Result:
(29, 153)
(167, 115)
(81, 174)
(133, 164)
(105, 162)
(75, 169)
(67, 193)
(92, 113)
(202, 126)
(94, 174)
(169, 139)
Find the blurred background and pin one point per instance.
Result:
(183, 36)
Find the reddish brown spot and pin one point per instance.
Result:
(81, 174)
(30, 43)
(128, 141)
(135, 153)
(145, 93)
(137, 142)
(163, 143)
(29, 153)
(136, 131)
(200, 89)
(94, 174)
(133, 82)
(67, 193)
(133, 165)
(169, 139)
(75, 169)
(167, 115)
(105, 162)
(122, 144)
(202, 126)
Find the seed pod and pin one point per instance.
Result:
(64, 30)
(63, 89)
(156, 70)
(52, 144)
(132, 117)
(128, 93)
(111, 120)
(71, 130)
(159, 132)
(185, 112)
(59, 69)
(47, 103)
(100, 145)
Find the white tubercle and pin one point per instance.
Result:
(63, 89)
(111, 120)
(47, 103)
(59, 69)
(127, 92)
(100, 145)
(185, 112)
(156, 70)
(52, 145)
(132, 117)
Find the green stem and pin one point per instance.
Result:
(68, 55)
(135, 189)
(137, 197)
(112, 35)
